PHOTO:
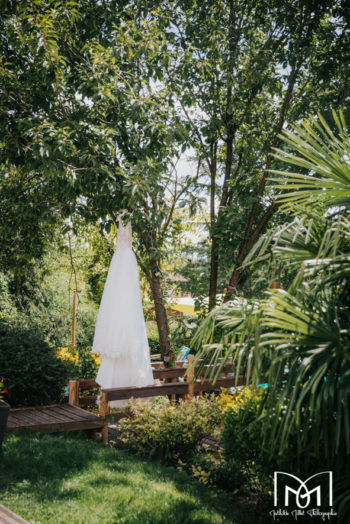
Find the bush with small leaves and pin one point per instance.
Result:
(34, 374)
(228, 476)
(170, 432)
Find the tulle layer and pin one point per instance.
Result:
(117, 373)
(120, 328)
(120, 333)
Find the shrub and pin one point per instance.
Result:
(7, 308)
(181, 333)
(154, 346)
(228, 476)
(80, 361)
(153, 337)
(243, 437)
(34, 375)
(170, 432)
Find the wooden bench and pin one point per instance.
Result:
(55, 418)
(174, 382)
(186, 389)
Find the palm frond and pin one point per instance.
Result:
(323, 156)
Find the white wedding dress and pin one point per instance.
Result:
(120, 333)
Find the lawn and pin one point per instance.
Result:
(68, 479)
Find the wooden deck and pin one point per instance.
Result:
(8, 517)
(52, 419)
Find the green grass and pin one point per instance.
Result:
(69, 479)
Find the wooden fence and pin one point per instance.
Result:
(169, 386)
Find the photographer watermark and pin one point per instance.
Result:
(296, 498)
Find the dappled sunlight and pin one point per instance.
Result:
(50, 477)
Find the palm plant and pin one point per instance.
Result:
(304, 329)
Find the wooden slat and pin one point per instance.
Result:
(88, 384)
(158, 373)
(48, 415)
(146, 391)
(42, 415)
(12, 419)
(227, 382)
(62, 426)
(70, 413)
(13, 410)
(180, 371)
(22, 419)
(169, 373)
(157, 365)
(29, 419)
(53, 418)
(180, 388)
(76, 413)
(227, 368)
(57, 415)
(8, 517)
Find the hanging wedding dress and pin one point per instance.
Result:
(120, 333)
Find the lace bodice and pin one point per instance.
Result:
(124, 233)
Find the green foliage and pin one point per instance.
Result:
(223, 474)
(246, 450)
(229, 476)
(103, 137)
(304, 329)
(243, 70)
(170, 432)
(87, 364)
(7, 307)
(153, 337)
(34, 375)
(49, 304)
(181, 332)
(80, 361)
(324, 159)
(154, 346)
(240, 437)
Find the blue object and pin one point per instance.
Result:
(184, 351)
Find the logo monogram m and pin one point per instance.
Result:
(302, 493)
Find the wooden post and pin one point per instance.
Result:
(173, 397)
(74, 392)
(189, 379)
(103, 414)
(74, 317)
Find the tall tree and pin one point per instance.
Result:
(243, 70)
(85, 114)
(298, 339)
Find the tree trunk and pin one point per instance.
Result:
(245, 247)
(214, 259)
(251, 236)
(161, 317)
(214, 262)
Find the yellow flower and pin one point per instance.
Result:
(66, 354)
(97, 358)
